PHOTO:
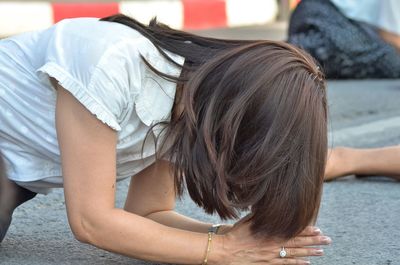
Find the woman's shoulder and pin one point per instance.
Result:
(81, 45)
(90, 40)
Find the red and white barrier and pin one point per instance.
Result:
(17, 17)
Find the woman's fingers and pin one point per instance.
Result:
(296, 253)
(303, 241)
(303, 252)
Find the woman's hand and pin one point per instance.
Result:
(242, 248)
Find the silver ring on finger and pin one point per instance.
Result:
(282, 253)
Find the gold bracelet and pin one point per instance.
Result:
(210, 234)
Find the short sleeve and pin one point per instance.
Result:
(96, 71)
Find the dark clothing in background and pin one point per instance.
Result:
(345, 48)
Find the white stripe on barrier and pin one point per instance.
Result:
(168, 12)
(18, 17)
(250, 12)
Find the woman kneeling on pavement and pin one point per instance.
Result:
(242, 125)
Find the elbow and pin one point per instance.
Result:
(80, 229)
(80, 235)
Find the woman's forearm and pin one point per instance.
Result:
(177, 220)
(135, 236)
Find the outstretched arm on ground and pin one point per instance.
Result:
(343, 161)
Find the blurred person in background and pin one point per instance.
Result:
(350, 38)
(241, 124)
(353, 39)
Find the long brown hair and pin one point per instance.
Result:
(253, 131)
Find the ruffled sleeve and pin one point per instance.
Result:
(100, 64)
(97, 72)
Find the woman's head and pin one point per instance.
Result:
(254, 136)
(253, 132)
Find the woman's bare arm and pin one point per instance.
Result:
(89, 168)
(152, 195)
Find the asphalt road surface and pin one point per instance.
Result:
(361, 215)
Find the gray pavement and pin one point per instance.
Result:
(361, 215)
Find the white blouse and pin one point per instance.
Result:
(99, 64)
